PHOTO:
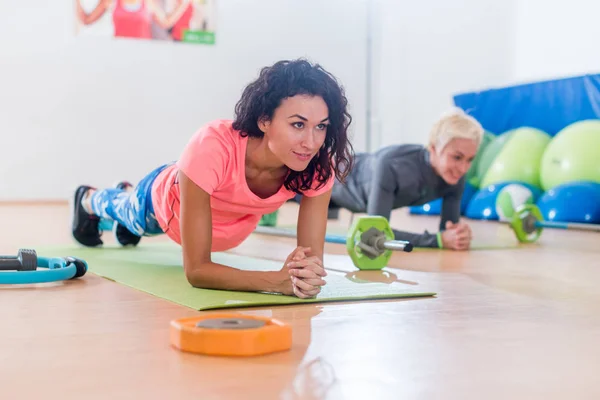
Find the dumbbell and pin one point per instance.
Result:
(26, 260)
(370, 241)
(27, 268)
(528, 223)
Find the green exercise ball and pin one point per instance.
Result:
(519, 158)
(572, 155)
(471, 176)
(490, 153)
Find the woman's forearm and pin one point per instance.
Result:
(424, 239)
(177, 14)
(312, 223)
(217, 276)
(167, 21)
(88, 19)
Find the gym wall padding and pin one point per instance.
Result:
(548, 105)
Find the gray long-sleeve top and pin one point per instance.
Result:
(398, 176)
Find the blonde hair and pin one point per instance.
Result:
(454, 124)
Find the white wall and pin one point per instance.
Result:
(93, 110)
(135, 103)
(431, 50)
(556, 38)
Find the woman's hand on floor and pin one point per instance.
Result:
(305, 273)
(457, 236)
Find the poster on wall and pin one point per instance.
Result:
(185, 21)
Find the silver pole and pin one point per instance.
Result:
(398, 245)
(578, 226)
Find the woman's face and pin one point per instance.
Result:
(297, 130)
(455, 159)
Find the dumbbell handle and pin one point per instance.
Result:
(567, 225)
(398, 245)
(395, 245)
(10, 263)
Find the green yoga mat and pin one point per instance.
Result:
(157, 269)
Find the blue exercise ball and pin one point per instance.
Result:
(483, 204)
(434, 207)
(577, 202)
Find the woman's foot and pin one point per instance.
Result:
(84, 224)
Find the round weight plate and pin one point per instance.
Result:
(524, 223)
(361, 225)
(230, 323)
(230, 334)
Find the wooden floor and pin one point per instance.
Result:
(512, 323)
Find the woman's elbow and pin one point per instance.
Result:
(194, 277)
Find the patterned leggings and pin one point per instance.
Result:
(133, 210)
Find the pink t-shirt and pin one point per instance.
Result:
(214, 159)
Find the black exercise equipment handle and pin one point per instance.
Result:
(10, 263)
(26, 260)
(80, 266)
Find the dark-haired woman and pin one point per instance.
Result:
(289, 136)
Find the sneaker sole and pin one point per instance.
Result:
(114, 232)
(72, 206)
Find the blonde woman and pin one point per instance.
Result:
(407, 175)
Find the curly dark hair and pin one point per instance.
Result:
(289, 78)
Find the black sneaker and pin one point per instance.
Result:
(84, 226)
(123, 235)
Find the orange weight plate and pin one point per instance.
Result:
(230, 334)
